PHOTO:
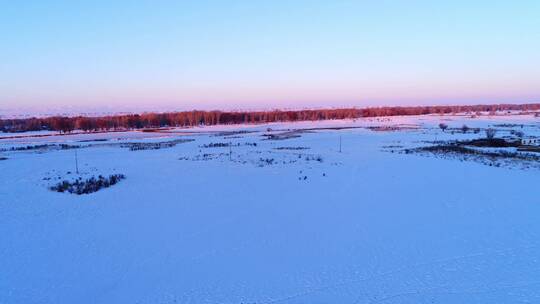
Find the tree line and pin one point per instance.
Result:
(199, 118)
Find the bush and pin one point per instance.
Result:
(138, 146)
(218, 145)
(490, 133)
(490, 143)
(87, 186)
(518, 134)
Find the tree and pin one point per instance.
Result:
(63, 124)
(464, 129)
(443, 126)
(195, 118)
(490, 133)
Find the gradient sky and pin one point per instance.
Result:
(265, 54)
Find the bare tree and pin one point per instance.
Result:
(490, 133)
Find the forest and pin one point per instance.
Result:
(67, 124)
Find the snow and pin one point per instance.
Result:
(365, 226)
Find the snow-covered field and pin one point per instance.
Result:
(286, 220)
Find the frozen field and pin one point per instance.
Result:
(269, 214)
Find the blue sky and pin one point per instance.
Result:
(265, 54)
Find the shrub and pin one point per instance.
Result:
(89, 185)
(218, 145)
(138, 146)
(490, 133)
(519, 134)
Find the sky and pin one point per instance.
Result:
(183, 55)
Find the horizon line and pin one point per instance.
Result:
(247, 110)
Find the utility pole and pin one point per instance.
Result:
(340, 144)
(230, 151)
(76, 162)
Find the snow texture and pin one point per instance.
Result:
(289, 220)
